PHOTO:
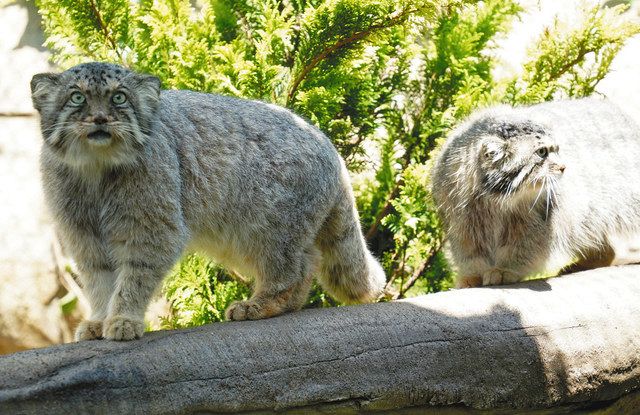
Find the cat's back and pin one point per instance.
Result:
(239, 122)
(252, 159)
(598, 144)
(586, 122)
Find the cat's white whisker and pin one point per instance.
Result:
(542, 188)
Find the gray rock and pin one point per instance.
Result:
(565, 342)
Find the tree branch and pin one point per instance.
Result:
(341, 43)
(104, 29)
(417, 273)
(388, 207)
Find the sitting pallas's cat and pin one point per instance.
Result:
(530, 190)
(134, 176)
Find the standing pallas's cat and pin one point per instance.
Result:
(134, 176)
(528, 190)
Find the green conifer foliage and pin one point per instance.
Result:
(385, 79)
(571, 60)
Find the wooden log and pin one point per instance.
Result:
(566, 342)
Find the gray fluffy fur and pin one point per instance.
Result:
(132, 185)
(530, 190)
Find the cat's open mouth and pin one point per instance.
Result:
(99, 135)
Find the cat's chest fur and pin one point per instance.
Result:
(84, 205)
(492, 231)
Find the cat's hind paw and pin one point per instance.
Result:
(468, 282)
(89, 330)
(122, 328)
(253, 310)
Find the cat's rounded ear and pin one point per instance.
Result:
(42, 87)
(148, 88)
(491, 149)
(150, 81)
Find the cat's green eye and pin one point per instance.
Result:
(77, 98)
(542, 152)
(119, 98)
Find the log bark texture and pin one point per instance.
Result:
(563, 342)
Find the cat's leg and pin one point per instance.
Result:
(526, 248)
(470, 249)
(136, 282)
(497, 276)
(476, 271)
(517, 261)
(98, 286)
(282, 285)
(622, 249)
(96, 275)
(143, 256)
(146, 235)
(468, 281)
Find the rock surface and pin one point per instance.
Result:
(572, 340)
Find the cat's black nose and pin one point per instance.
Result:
(100, 119)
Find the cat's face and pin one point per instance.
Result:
(95, 113)
(519, 160)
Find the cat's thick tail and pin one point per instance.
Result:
(348, 270)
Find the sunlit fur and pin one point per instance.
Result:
(252, 185)
(509, 207)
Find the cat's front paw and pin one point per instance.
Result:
(252, 310)
(497, 277)
(468, 282)
(89, 330)
(492, 277)
(122, 328)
